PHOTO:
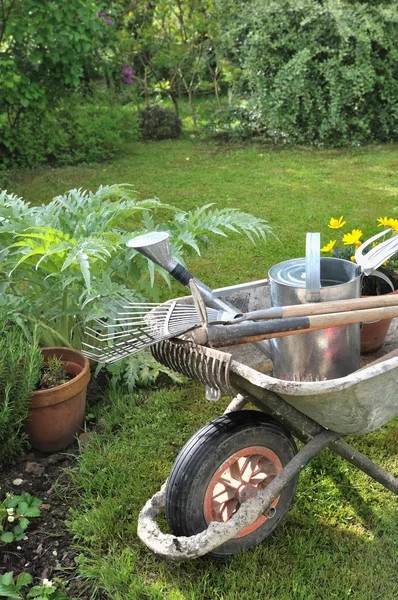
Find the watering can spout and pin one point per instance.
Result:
(155, 246)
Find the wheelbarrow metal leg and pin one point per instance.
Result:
(180, 548)
(365, 464)
(304, 428)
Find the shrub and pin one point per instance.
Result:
(315, 71)
(73, 253)
(20, 365)
(235, 123)
(69, 134)
(159, 124)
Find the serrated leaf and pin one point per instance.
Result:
(32, 511)
(23, 522)
(12, 501)
(8, 578)
(23, 579)
(25, 497)
(9, 592)
(35, 591)
(22, 508)
(7, 537)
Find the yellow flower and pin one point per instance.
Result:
(352, 258)
(336, 223)
(329, 246)
(353, 237)
(393, 223)
(383, 221)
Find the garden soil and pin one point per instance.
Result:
(48, 550)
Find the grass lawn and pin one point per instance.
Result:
(340, 540)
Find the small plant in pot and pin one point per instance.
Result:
(384, 281)
(58, 405)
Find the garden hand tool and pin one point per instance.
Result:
(377, 255)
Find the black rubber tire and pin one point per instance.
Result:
(199, 460)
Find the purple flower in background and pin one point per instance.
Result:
(106, 17)
(127, 73)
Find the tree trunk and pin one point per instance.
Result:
(175, 102)
(191, 106)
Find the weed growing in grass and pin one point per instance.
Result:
(15, 512)
(17, 588)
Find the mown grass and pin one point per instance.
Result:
(340, 538)
(296, 190)
(338, 541)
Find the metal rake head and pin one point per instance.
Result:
(138, 325)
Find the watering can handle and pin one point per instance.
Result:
(313, 267)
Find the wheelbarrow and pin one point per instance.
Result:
(235, 479)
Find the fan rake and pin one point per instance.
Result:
(134, 326)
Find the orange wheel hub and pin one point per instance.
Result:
(239, 479)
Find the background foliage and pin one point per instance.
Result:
(316, 71)
(312, 71)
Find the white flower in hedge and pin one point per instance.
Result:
(11, 519)
(47, 583)
(10, 511)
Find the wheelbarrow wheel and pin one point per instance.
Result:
(222, 465)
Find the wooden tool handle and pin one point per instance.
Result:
(321, 308)
(254, 331)
(337, 306)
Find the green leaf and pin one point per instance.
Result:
(23, 522)
(35, 591)
(32, 511)
(23, 579)
(7, 538)
(26, 497)
(22, 508)
(8, 578)
(12, 501)
(18, 529)
(9, 591)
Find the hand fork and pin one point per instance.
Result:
(377, 255)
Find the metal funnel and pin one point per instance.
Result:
(155, 245)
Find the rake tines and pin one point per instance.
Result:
(138, 325)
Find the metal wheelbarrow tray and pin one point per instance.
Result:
(211, 505)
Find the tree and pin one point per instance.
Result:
(45, 49)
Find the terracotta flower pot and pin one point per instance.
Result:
(373, 334)
(57, 415)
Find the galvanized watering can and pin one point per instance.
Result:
(318, 355)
